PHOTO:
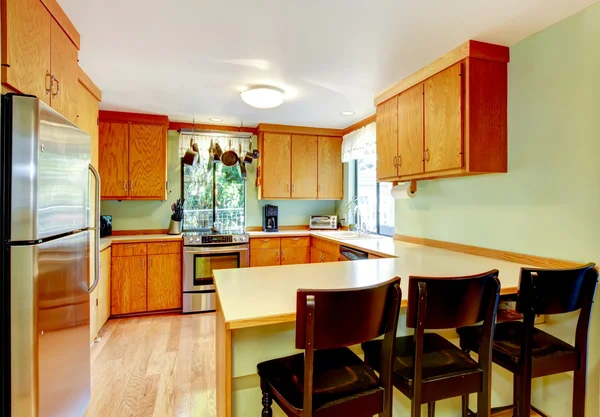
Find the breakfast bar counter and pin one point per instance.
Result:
(256, 311)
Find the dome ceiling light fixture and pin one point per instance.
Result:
(263, 96)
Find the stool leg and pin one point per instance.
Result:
(516, 393)
(579, 386)
(415, 409)
(465, 406)
(431, 410)
(524, 407)
(267, 401)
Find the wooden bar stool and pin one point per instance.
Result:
(529, 352)
(427, 367)
(329, 379)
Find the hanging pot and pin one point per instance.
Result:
(248, 155)
(218, 152)
(210, 156)
(191, 156)
(243, 172)
(229, 157)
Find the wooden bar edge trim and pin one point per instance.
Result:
(260, 229)
(126, 117)
(537, 261)
(260, 321)
(139, 232)
(89, 85)
(299, 130)
(63, 21)
(224, 128)
(471, 48)
(358, 125)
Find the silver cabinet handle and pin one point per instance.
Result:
(143, 263)
(288, 188)
(48, 75)
(277, 255)
(57, 86)
(96, 229)
(394, 161)
(149, 262)
(163, 244)
(319, 188)
(399, 160)
(295, 239)
(426, 155)
(283, 255)
(266, 240)
(130, 246)
(131, 185)
(124, 185)
(294, 188)
(322, 258)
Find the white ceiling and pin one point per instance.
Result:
(193, 57)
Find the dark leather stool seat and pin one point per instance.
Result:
(441, 359)
(547, 350)
(338, 373)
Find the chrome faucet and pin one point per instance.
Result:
(361, 227)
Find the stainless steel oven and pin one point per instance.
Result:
(199, 262)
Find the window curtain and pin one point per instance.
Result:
(360, 143)
(203, 142)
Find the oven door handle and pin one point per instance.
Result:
(205, 251)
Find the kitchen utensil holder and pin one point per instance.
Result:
(175, 228)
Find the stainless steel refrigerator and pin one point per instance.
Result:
(47, 241)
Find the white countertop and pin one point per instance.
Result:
(265, 295)
(106, 242)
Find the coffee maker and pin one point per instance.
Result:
(270, 218)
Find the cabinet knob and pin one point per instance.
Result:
(124, 185)
(143, 263)
(57, 86)
(426, 155)
(399, 160)
(49, 76)
(277, 255)
(394, 163)
(131, 185)
(149, 262)
(283, 255)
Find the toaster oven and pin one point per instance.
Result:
(323, 222)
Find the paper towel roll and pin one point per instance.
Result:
(402, 191)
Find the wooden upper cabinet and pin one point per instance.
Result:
(304, 166)
(410, 131)
(147, 161)
(443, 120)
(65, 70)
(113, 151)
(26, 47)
(331, 169)
(451, 117)
(276, 166)
(387, 139)
(87, 118)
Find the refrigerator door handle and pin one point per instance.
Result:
(96, 230)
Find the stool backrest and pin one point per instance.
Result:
(345, 317)
(452, 302)
(556, 291)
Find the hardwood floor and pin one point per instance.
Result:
(162, 366)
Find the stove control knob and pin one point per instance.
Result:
(236, 239)
(198, 240)
(191, 239)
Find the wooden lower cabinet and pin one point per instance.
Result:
(129, 285)
(324, 251)
(100, 297)
(316, 255)
(293, 256)
(164, 282)
(265, 257)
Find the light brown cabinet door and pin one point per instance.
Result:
(87, 118)
(93, 314)
(65, 70)
(316, 256)
(147, 156)
(128, 285)
(410, 131)
(292, 256)
(443, 120)
(304, 166)
(26, 47)
(164, 282)
(113, 154)
(265, 257)
(327, 257)
(387, 139)
(331, 169)
(103, 289)
(276, 166)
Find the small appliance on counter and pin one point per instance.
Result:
(270, 218)
(105, 226)
(323, 222)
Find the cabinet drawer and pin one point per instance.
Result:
(159, 248)
(129, 249)
(295, 242)
(265, 243)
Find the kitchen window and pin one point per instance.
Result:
(216, 195)
(374, 199)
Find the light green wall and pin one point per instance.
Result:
(548, 203)
(132, 215)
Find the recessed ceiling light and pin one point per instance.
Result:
(347, 113)
(263, 96)
(215, 119)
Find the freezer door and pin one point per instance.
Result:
(50, 180)
(50, 352)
